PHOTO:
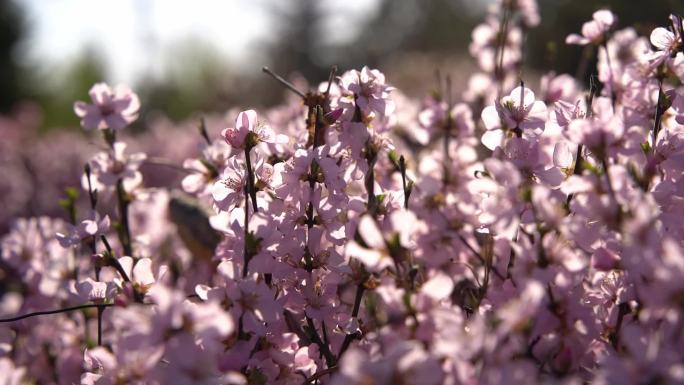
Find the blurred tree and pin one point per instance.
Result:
(11, 31)
(56, 87)
(429, 26)
(194, 79)
(299, 40)
(546, 44)
(414, 25)
(199, 80)
(400, 26)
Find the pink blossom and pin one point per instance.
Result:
(678, 105)
(9, 373)
(526, 155)
(594, 31)
(87, 229)
(558, 87)
(595, 134)
(98, 292)
(229, 189)
(605, 259)
(485, 40)
(405, 360)
(114, 165)
(254, 303)
(376, 255)
(438, 287)
(205, 170)
(246, 124)
(368, 91)
(529, 11)
(479, 89)
(112, 108)
(667, 44)
(517, 113)
(554, 257)
(140, 272)
(565, 112)
(434, 120)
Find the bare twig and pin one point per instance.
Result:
(320, 374)
(55, 311)
(284, 82)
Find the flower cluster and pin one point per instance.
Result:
(356, 236)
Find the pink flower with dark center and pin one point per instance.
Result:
(203, 171)
(248, 132)
(228, 190)
(140, 272)
(516, 113)
(369, 92)
(254, 303)
(667, 43)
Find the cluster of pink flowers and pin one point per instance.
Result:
(356, 236)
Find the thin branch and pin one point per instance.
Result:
(284, 82)
(100, 311)
(614, 337)
(325, 349)
(125, 232)
(448, 125)
(609, 183)
(320, 374)
(112, 261)
(611, 81)
(586, 57)
(203, 131)
(166, 163)
(406, 186)
(56, 311)
(658, 113)
(501, 47)
(577, 170)
(331, 77)
(355, 313)
(480, 257)
(250, 179)
(93, 247)
(246, 243)
(106, 244)
(92, 194)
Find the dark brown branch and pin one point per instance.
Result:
(355, 312)
(55, 311)
(284, 82)
(320, 374)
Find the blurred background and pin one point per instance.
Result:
(184, 57)
(204, 57)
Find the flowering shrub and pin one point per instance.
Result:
(359, 237)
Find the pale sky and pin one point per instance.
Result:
(134, 35)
